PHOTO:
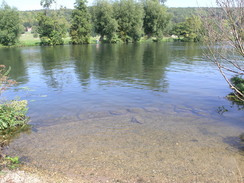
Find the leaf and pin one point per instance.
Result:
(43, 96)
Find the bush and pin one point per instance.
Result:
(13, 114)
(35, 35)
(238, 84)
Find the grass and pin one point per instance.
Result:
(28, 39)
(9, 162)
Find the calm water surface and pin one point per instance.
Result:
(66, 80)
(138, 111)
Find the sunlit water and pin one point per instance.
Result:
(130, 112)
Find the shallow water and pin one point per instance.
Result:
(127, 113)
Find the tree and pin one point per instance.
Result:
(80, 25)
(156, 18)
(129, 15)
(50, 27)
(47, 3)
(225, 40)
(104, 21)
(162, 1)
(50, 30)
(9, 25)
(190, 29)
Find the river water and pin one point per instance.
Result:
(151, 112)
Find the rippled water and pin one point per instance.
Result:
(135, 112)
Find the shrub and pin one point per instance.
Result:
(238, 82)
(35, 35)
(235, 97)
(13, 114)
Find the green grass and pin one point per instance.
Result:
(164, 39)
(28, 39)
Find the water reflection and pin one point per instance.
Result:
(155, 61)
(55, 63)
(88, 77)
(141, 65)
(186, 50)
(82, 57)
(13, 57)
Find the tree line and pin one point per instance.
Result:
(114, 21)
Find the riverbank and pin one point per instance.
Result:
(24, 175)
(28, 39)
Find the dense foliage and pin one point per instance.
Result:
(189, 30)
(156, 18)
(13, 114)
(80, 29)
(238, 82)
(9, 25)
(105, 23)
(181, 14)
(112, 21)
(51, 27)
(129, 15)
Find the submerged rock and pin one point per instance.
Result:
(242, 137)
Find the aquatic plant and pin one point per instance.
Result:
(5, 82)
(12, 113)
(9, 162)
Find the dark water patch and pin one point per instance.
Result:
(235, 142)
(135, 120)
(115, 113)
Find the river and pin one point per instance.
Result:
(149, 112)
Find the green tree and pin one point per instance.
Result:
(80, 24)
(50, 27)
(162, 1)
(156, 18)
(104, 22)
(9, 25)
(129, 15)
(47, 3)
(181, 14)
(190, 30)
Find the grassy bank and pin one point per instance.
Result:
(28, 39)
